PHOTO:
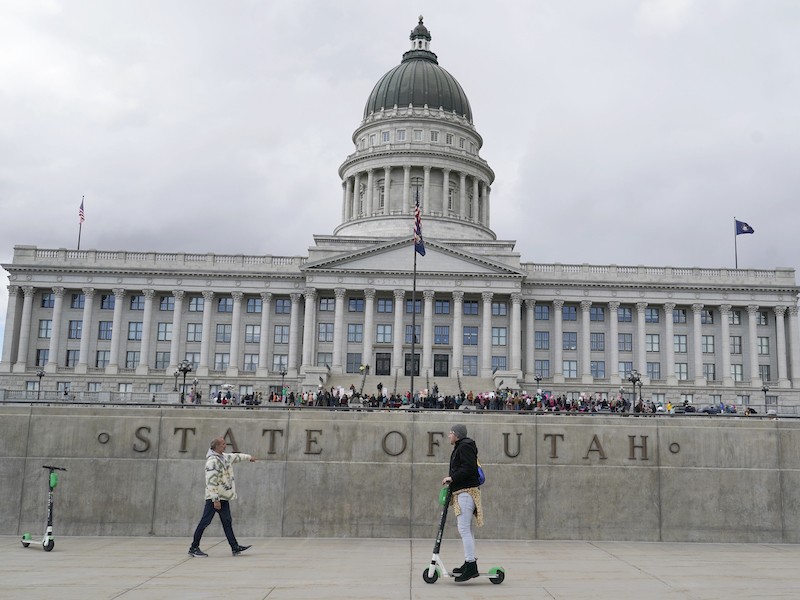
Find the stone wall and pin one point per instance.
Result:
(377, 474)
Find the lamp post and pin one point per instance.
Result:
(537, 378)
(175, 375)
(283, 372)
(195, 381)
(634, 379)
(185, 367)
(765, 389)
(40, 374)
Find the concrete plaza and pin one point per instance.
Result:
(105, 568)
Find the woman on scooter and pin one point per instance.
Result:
(463, 482)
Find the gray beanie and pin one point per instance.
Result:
(460, 431)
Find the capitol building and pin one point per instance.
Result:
(104, 323)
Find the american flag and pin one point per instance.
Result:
(419, 245)
(80, 212)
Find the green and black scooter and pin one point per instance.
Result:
(47, 542)
(437, 569)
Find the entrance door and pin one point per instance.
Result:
(408, 365)
(383, 363)
(441, 365)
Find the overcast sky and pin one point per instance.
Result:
(627, 132)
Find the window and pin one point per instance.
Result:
(597, 313)
(735, 317)
(384, 335)
(737, 373)
(570, 368)
(72, 358)
(570, 340)
(327, 304)
(107, 301)
(597, 341)
(75, 330)
(542, 340)
(78, 301)
(252, 334)
(250, 362)
(224, 333)
(624, 315)
(434, 136)
(416, 334)
(104, 330)
(42, 356)
(541, 313)
(651, 315)
(625, 342)
(324, 359)
(196, 304)
(679, 315)
(417, 304)
(499, 309)
(355, 332)
(135, 330)
(194, 359)
(687, 398)
(283, 306)
(103, 356)
(441, 334)
(164, 332)
(137, 302)
(356, 305)
(654, 370)
(763, 372)
(498, 336)
(682, 371)
(385, 137)
(281, 334)
(763, 346)
(470, 336)
(625, 369)
(542, 368)
(470, 307)
(715, 399)
(680, 343)
(162, 360)
(442, 307)
(652, 342)
(745, 400)
(417, 135)
(48, 300)
(372, 139)
(401, 135)
(707, 343)
(598, 369)
(225, 305)
(95, 386)
(132, 359)
(498, 363)
(254, 305)
(569, 313)
(761, 317)
(449, 139)
(385, 305)
(461, 143)
(707, 317)
(470, 366)
(353, 362)
(166, 303)
(222, 361)
(45, 328)
(325, 332)
(736, 344)
(710, 371)
(194, 332)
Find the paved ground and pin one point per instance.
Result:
(102, 568)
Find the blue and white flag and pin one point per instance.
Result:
(742, 227)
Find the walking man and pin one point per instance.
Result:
(220, 490)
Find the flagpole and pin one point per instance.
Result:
(735, 247)
(413, 319)
(80, 224)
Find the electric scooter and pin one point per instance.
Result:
(437, 568)
(47, 542)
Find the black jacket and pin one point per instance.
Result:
(464, 465)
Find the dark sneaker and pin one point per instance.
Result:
(196, 552)
(239, 549)
(470, 570)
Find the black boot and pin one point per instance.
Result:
(459, 570)
(470, 570)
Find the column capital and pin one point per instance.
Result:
(13, 290)
(370, 171)
(428, 295)
(208, 296)
(399, 295)
(697, 308)
(340, 293)
(558, 304)
(586, 305)
(369, 293)
(530, 303)
(426, 168)
(446, 170)
(237, 296)
(149, 294)
(752, 309)
(516, 298)
(59, 292)
(669, 307)
(119, 292)
(487, 296)
(310, 293)
(458, 296)
(640, 306)
(779, 310)
(613, 305)
(388, 168)
(178, 294)
(407, 168)
(266, 296)
(724, 309)
(793, 311)
(295, 298)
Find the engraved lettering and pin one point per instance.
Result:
(519, 445)
(432, 442)
(553, 436)
(596, 446)
(184, 431)
(141, 437)
(311, 440)
(402, 445)
(634, 445)
(230, 440)
(272, 433)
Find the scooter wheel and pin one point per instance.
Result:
(498, 578)
(25, 544)
(428, 578)
(49, 545)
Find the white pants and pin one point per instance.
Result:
(467, 505)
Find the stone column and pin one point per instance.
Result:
(263, 343)
(206, 335)
(558, 342)
(147, 325)
(344, 201)
(724, 345)
(309, 329)
(669, 344)
(780, 335)
(357, 196)
(426, 190)
(794, 346)
(613, 344)
(515, 337)
(12, 332)
(116, 332)
(177, 333)
(752, 330)
(28, 292)
(406, 189)
(55, 330)
(445, 191)
(387, 189)
(236, 334)
(369, 327)
(462, 192)
(338, 332)
(427, 332)
(640, 349)
(484, 211)
(370, 187)
(586, 346)
(458, 332)
(487, 220)
(697, 345)
(86, 331)
(398, 335)
(530, 337)
(486, 335)
(475, 200)
(294, 334)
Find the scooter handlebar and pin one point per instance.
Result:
(53, 468)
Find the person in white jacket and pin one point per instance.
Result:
(220, 490)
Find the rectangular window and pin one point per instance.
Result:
(570, 368)
(461, 143)
(194, 359)
(569, 313)
(75, 330)
(166, 303)
(384, 334)
(164, 332)
(570, 340)
(651, 315)
(625, 369)
(252, 334)
(355, 332)
(251, 362)
(715, 399)
(325, 332)
(541, 313)
(162, 360)
(416, 332)
(42, 356)
(385, 137)
(763, 372)
(103, 356)
(104, 330)
(281, 334)
(327, 304)
(498, 336)
(470, 307)
(417, 306)
(417, 135)
(225, 305)
(372, 139)
(135, 330)
(48, 300)
(131, 359)
(353, 362)
(625, 342)
(707, 317)
(679, 315)
(624, 315)
(470, 366)
(45, 328)
(78, 301)
(680, 344)
(194, 332)
(401, 135)
(654, 370)
(470, 336)
(137, 302)
(107, 301)
(652, 342)
(254, 305)
(356, 305)
(735, 317)
(498, 363)
(442, 307)
(597, 341)
(736, 344)
(710, 371)
(196, 304)
(708, 344)
(224, 333)
(761, 317)
(441, 334)
(542, 340)
(737, 373)
(598, 369)
(72, 358)
(95, 386)
(449, 139)
(283, 306)
(385, 305)
(222, 361)
(434, 136)
(682, 371)
(597, 313)
(763, 346)
(324, 359)
(125, 387)
(542, 368)
(499, 309)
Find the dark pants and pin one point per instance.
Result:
(208, 515)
